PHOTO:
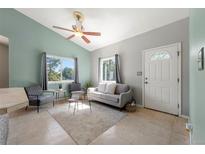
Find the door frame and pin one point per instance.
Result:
(178, 45)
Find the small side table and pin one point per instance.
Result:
(58, 91)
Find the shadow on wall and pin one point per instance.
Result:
(4, 62)
(18, 83)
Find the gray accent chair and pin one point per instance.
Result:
(4, 127)
(123, 95)
(75, 90)
(37, 96)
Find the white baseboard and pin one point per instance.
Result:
(184, 116)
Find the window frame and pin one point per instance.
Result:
(163, 55)
(61, 58)
(101, 70)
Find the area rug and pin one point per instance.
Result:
(84, 126)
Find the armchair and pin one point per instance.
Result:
(75, 90)
(37, 96)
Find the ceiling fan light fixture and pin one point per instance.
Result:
(78, 34)
(78, 16)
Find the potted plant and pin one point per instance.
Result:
(87, 85)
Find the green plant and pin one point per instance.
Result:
(87, 85)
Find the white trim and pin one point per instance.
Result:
(179, 76)
(61, 81)
(61, 58)
(179, 72)
(101, 70)
(143, 76)
(108, 58)
(184, 116)
(107, 81)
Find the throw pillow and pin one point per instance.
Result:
(110, 88)
(101, 87)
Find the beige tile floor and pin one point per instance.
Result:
(142, 127)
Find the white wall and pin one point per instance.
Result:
(131, 58)
(4, 69)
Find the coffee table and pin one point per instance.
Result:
(12, 99)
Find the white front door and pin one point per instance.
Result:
(161, 79)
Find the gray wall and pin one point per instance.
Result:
(197, 82)
(4, 63)
(131, 58)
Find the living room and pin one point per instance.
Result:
(69, 79)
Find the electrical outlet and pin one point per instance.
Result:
(189, 126)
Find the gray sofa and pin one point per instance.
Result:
(121, 96)
(4, 126)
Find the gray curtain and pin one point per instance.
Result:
(44, 78)
(99, 70)
(76, 70)
(117, 69)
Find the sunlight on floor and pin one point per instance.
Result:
(80, 106)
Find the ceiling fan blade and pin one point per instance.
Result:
(63, 28)
(70, 37)
(85, 39)
(92, 33)
(74, 27)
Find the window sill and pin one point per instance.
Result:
(108, 82)
(63, 81)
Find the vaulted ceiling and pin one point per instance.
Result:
(114, 24)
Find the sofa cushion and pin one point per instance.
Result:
(3, 129)
(110, 88)
(42, 98)
(101, 87)
(110, 97)
(121, 88)
(95, 94)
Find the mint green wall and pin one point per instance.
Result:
(197, 78)
(28, 39)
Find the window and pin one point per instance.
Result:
(60, 69)
(160, 56)
(107, 69)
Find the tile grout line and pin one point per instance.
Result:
(108, 128)
(170, 139)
